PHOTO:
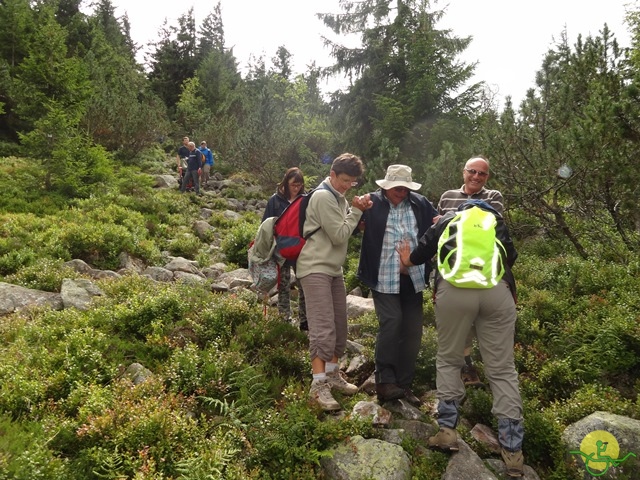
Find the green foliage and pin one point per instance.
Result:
(477, 406)
(71, 165)
(591, 398)
(236, 242)
(291, 441)
(14, 260)
(186, 246)
(426, 363)
(221, 317)
(24, 453)
(543, 441)
(144, 315)
(45, 274)
(21, 190)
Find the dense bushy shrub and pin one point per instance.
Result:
(236, 242)
(45, 274)
(186, 245)
(14, 260)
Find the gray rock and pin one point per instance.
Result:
(239, 276)
(14, 298)
(235, 205)
(137, 373)
(131, 263)
(500, 468)
(404, 409)
(213, 272)
(357, 306)
(180, 264)
(415, 429)
(366, 459)
(379, 416)
(165, 181)
(159, 274)
(78, 293)
(202, 229)
(206, 213)
(102, 274)
(79, 266)
(466, 465)
(219, 287)
(231, 215)
(189, 277)
(625, 430)
(486, 437)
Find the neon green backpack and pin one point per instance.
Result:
(469, 253)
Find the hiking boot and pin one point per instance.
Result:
(320, 394)
(469, 376)
(388, 391)
(410, 397)
(337, 382)
(446, 440)
(514, 462)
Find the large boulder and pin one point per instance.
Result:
(622, 448)
(364, 459)
(78, 293)
(14, 298)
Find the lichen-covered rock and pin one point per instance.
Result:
(367, 459)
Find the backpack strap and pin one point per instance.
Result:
(324, 187)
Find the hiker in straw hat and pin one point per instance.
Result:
(398, 214)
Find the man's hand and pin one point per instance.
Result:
(362, 203)
(404, 251)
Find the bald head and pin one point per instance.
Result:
(475, 174)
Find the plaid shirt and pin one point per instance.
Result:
(401, 225)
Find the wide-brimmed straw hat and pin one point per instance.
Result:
(398, 176)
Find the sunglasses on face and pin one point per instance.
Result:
(472, 171)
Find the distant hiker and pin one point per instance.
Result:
(208, 163)
(475, 175)
(474, 284)
(398, 213)
(182, 155)
(194, 168)
(288, 189)
(319, 268)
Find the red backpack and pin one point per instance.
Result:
(288, 227)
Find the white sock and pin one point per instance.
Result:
(319, 376)
(330, 367)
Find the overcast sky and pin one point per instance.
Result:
(510, 37)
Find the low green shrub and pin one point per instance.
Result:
(144, 429)
(25, 453)
(291, 440)
(236, 243)
(186, 245)
(14, 260)
(477, 407)
(219, 319)
(591, 398)
(543, 437)
(45, 274)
